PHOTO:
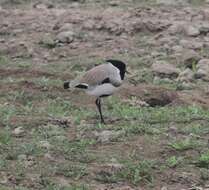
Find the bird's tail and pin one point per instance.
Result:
(74, 84)
(66, 85)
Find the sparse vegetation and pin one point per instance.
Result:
(173, 161)
(50, 138)
(181, 145)
(140, 172)
(203, 160)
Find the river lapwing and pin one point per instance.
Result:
(100, 81)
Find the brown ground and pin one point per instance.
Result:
(136, 32)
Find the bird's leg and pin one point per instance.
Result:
(98, 104)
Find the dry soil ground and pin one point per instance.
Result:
(157, 136)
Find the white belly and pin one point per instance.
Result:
(104, 89)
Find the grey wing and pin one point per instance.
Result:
(104, 73)
(96, 75)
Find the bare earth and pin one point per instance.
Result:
(61, 145)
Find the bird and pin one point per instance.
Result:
(100, 81)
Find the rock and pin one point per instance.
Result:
(4, 180)
(190, 57)
(107, 136)
(171, 2)
(48, 42)
(46, 5)
(204, 28)
(107, 170)
(44, 144)
(2, 40)
(89, 24)
(203, 70)
(157, 80)
(185, 86)
(22, 157)
(186, 76)
(65, 37)
(191, 31)
(18, 132)
(114, 3)
(165, 70)
(176, 28)
(17, 31)
(136, 102)
(66, 27)
(30, 161)
(177, 49)
(205, 13)
(48, 156)
(191, 44)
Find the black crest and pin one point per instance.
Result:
(120, 65)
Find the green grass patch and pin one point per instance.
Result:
(203, 160)
(137, 172)
(186, 144)
(71, 170)
(173, 161)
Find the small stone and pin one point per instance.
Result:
(66, 27)
(186, 76)
(48, 42)
(22, 157)
(191, 31)
(136, 102)
(189, 58)
(191, 44)
(203, 70)
(44, 144)
(89, 24)
(204, 28)
(4, 180)
(200, 74)
(61, 138)
(116, 166)
(177, 49)
(29, 163)
(40, 6)
(47, 5)
(170, 2)
(165, 70)
(49, 157)
(107, 136)
(176, 28)
(114, 3)
(185, 86)
(65, 37)
(18, 132)
(17, 31)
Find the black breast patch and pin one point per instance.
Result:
(107, 80)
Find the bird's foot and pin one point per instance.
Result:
(103, 122)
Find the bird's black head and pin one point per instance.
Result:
(120, 65)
